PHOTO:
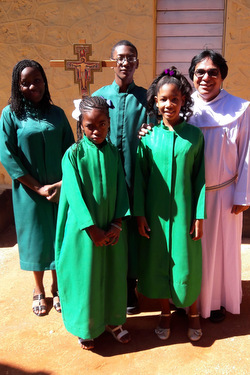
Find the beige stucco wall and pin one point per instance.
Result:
(44, 30)
(237, 47)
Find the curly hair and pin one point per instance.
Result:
(86, 105)
(16, 101)
(170, 76)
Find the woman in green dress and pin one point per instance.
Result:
(170, 203)
(34, 134)
(91, 251)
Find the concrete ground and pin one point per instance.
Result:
(41, 345)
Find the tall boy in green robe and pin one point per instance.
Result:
(126, 118)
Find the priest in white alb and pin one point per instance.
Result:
(225, 122)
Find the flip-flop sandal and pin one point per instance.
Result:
(118, 336)
(86, 344)
(39, 308)
(57, 305)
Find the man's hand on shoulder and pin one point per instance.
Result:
(145, 129)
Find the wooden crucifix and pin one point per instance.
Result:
(83, 67)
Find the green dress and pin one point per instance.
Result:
(170, 193)
(126, 118)
(91, 279)
(34, 145)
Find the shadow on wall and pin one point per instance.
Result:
(7, 370)
(246, 224)
(6, 210)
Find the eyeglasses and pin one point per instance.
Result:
(121, 59)
(211, 73)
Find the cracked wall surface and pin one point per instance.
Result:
(45, 29)
(237, 47)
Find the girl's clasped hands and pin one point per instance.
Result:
(101, 237)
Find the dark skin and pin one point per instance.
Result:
(169, 101)
(50, 192)
(104, 238)
(124, 73)
(32, 87)
(95, 126)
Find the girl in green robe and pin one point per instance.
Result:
(34, 134)
(170, 203)
(91, 252)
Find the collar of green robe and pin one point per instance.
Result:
(116, 87)
(176, 128)
(32, 110)
(92, 144)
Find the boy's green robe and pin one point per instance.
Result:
(126, 118)
(35, 145)
(170, 193)
(91, 280)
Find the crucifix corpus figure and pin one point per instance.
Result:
(83, 67)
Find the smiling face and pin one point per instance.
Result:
(124, 72)
(32, 84)
(169, 102)
(208, 87)
(95, 125)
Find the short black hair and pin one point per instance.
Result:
(217, 59)
(16, 100)
(124, 43)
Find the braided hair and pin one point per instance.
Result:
(170, 76)
(16, 101)
(86, 105)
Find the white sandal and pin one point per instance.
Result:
(119, 336)
(163, 333)
(194, 334)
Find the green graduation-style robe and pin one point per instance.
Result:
(170, 193)
(91, 279)
(34, 145)
(126, 118)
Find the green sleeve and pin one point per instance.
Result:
(199, 180)
(141, 180)
(72, 187)
(122, 201)
(8, 146)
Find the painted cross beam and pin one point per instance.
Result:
(83, 67)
